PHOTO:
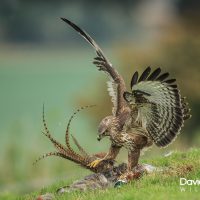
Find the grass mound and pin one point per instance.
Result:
(163, 184)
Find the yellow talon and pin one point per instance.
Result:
(94, 163)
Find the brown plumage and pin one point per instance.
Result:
(153, 112)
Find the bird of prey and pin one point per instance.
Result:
(152, 113)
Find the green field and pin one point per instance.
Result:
(158, 185)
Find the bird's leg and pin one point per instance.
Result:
(130, 174)
(133, 157)
(139, 142)
(96, 162)
(111, 155)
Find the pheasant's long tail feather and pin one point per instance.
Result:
(81, 149)
(57, 145)
(48, 155)
(68, 153)
(68, 126)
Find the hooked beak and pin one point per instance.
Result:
(99, 137)
(101, 131)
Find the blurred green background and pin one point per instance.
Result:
(43, 61)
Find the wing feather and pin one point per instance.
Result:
(154, 74)
(112, 90)
(134, 79)
(169, 81)
(161, 110)
(103, 64)
(145, 74)
(162, 77)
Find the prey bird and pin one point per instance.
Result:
(67, 152)
(152, 113)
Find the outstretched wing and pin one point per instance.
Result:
(117, 85)
(161, 110)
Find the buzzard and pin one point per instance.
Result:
(152, 113)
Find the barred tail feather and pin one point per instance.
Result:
(48, 155)
(58, 146)
(69, 123)
(85, 154)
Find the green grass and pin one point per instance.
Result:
(158, 185)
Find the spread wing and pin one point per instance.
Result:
(116, 86)
(161, 110)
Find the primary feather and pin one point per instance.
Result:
(103, 64)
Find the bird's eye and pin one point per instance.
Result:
(104, 133)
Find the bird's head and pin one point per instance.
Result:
(105, 127)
